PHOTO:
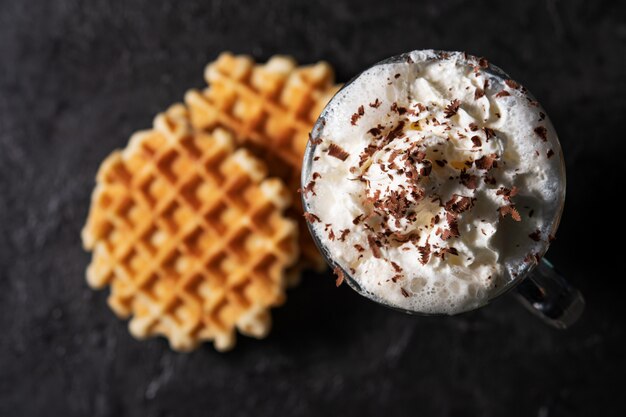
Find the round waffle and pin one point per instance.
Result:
(190, 236)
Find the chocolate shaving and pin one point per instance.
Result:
(468, 180)
(399, 110)
(478, 93)
(356, 116)
(344, 233)
(367, 153)
(374, 246)
(476, 141)
(443, 251)
(404, 237)
(394, 154)
(542, 116)
(486, 162)
(452, 108)
(473, 127)
(309, 188)
(507, 193)
(483, 63)
(458, 204)
(536, 235)
(395, 132)
(503, 93)
(315, 141)
(357, 219)
(489, 133)
(417, 155)
(550, 153)
(542, 132)
(512, 84)
(375, 131)
(311, 218)
(511, 210)
(403, 291)
(551, 238)
(441, 163)
(426, 168)
(396, 204)
(375, 104)
(453, 224)
(396, 267)
(340, 276)
(424, 252)
(359, 248)
(338, 152)
(331, 235)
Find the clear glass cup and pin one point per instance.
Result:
(539, 287)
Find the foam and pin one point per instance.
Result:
(492, 250)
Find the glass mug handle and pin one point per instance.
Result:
(549, 296)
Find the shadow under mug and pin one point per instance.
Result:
(539, 287)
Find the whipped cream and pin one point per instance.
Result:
(433, 182)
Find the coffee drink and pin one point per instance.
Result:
(433, 180)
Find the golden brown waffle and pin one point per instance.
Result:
(271, 108)
(190, 235)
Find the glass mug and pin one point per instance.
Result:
(538, 286)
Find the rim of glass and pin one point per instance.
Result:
(309, 152)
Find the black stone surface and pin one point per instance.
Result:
(78, 77)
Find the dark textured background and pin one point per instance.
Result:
(78, 77)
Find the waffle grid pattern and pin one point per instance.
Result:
(190, 236)
(271, 108)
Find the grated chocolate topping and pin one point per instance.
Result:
(356, 116)
(340, 276)
(452, 108)
(542, 132)
(337, 152)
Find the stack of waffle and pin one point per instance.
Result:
(193, 238)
